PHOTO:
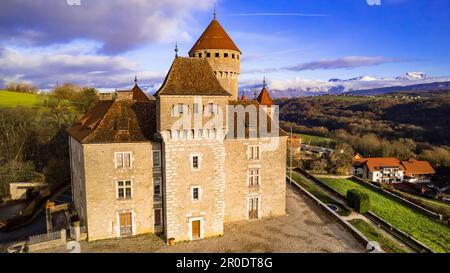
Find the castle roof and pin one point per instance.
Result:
(214, 37)
(264, 97)
(191, 77)
(129, 120)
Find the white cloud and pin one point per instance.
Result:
(116, 24)
(45, 68)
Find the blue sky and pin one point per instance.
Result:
(294, 43)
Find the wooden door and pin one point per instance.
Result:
(253, 208)
(125, 224)
(196, 229)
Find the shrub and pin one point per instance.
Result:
(358, 200)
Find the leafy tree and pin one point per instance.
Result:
(15, 171)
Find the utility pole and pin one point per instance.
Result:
(290, 160)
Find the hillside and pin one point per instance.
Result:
(423, 120)
(12, 99)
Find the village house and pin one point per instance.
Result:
(392, 170)
(137, 168)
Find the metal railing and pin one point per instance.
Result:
(36, 239)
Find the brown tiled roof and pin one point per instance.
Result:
(214, 37)
(140, 95)
(415, 167)
(264, 97)
(117, 121)
(190, 77)
(245, 103)
(375, 163)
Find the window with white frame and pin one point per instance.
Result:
(254, 177)
(156, 158)
(254, 152)
(196, 162)
(157, 187)
(123, 160)
(124, 189)
(196, 193)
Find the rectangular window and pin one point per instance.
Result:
(225, 55)
(123, 160)
(254, 177)
(195, 108)
(157, 187)
(232, 56)
(200, 55)
(124, 189)
(217, 55)
(212, 108)
(196, 193)
(208, 55)
(158, 217)
(156, 158)
(180, 108)
(185, 134)
(253, 152)
(195, 162)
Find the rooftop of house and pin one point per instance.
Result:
(191, 77)
(415, 167)
(410, 167)
(214, 37)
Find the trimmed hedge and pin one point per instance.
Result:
(358, 200)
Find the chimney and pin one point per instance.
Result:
(124, 95)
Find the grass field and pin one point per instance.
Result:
(13, 99)
(423, 228)
(373, 234)
(320, 194)
(310, 139)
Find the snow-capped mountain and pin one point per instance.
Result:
(413, 76)
(364, 78)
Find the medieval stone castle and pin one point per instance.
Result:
(138, 168)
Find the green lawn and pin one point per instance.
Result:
(423, 228)
(13, 99)
(319, 193)
(386, 243)
(314, 139)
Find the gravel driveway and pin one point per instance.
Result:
(305, 228)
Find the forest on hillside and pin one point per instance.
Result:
(400, 126)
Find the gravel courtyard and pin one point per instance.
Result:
(305, 228)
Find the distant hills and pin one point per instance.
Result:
(362, 85)
(425, 87)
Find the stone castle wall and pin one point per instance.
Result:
(103, 206)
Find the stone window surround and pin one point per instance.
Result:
(123, 167)
(248, 205)
(202, 225)
(157, 180)
(199, 162)
(254, 175)
(200, 193)
(160, 217)
(116, 181)
(133, 222)
(249, 152)
(159, 161)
